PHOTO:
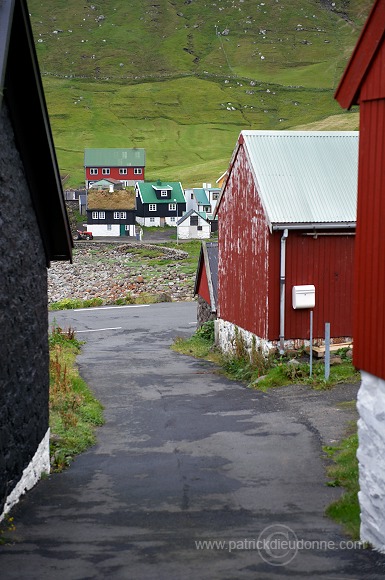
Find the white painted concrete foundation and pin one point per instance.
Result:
(371, 457)
(40, 463)
(225, 333)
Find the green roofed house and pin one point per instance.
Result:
(125, 165)
(159, 203)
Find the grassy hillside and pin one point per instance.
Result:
(182, 78)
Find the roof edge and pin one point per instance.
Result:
(373, 32)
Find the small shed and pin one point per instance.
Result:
(34, 231)
(193, 225)
(363, 84)
(287, 221)
(206, 283)
(109, 184)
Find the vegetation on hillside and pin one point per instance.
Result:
(182, 79)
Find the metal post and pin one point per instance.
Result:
(327, 350)
(311, 343)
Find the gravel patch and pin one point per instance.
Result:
(113, 271)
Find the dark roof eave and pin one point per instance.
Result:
(33, 133)
(372, 35)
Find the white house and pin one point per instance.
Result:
(193, 225)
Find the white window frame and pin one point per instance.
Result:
(163, 193)
(106, 171)
(94, 170)
(120, 215)
(137, 171)
(152, 207)
(98, 215)
(122, 170)
(172, 207)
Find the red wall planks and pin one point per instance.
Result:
(326, 262)
(243, 252)
(203, 286)
(369, 287)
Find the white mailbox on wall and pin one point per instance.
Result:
(303, 296)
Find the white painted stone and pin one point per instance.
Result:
(371, 457)
(225, 337)
(101, 230)
(39, 464)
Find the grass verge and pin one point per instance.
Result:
(261, 372)
(74, 411)
(343, 472)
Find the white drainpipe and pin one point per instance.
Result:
(282, 292)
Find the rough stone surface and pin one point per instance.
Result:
(371, 408)
(114, 271)
(24, 378)
(204, 313)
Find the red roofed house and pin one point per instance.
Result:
(363, 84)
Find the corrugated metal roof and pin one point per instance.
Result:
(305, 177)
(115, 157)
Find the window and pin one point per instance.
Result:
(207, 208)
(193, 220)
(171, 206)
(123, 171)
(199, 228)
(98, 215)
(109, 227)
(215, 195)
(119, 215)
(152, 207)
(93, 171)
(137, 171)
(172, 219)
(163, 193)
(192, 196)
(106, 171)
(152, 220)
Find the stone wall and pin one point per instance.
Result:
(371, 435)
(204, 313)
(24, 357)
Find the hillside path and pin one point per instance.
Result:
(185, 458)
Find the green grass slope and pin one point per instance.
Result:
(182, 78)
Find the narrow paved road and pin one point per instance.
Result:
(185, 458)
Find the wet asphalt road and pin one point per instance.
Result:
(185, 457)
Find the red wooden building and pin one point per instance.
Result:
(363, 83)
(287, 221)
(206, 282)
(125, 165)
